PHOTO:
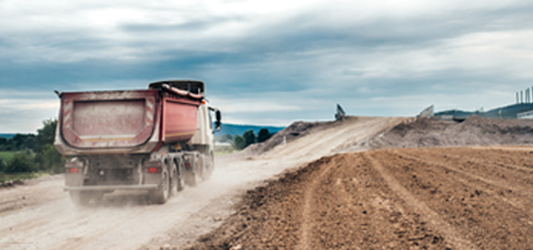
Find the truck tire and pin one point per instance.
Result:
(174, 179)
(162, 193)
(97, 197)
(83, 198)
(190, 178)
(80, 198)
(181, 181)
(209, 166)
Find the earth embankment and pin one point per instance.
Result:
(425, 132)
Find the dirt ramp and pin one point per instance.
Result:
(449, 198)
(323, 138)
(424, 132)
(287, 135)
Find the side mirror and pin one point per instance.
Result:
(218, 121)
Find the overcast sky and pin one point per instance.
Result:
(268, 62)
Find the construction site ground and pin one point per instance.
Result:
(312, 186)
(438, 198)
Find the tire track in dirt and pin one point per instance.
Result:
(372, 215)
(388, 199)
(464, 174)
(520, 200)
(304, 243)
(516, 170)
(427, 214)
(484, 163)
(487, 212)
(469, 180)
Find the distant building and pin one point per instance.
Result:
(507, 112)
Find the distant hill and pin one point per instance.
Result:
(235, 129)
(7, 136)
(231, 129)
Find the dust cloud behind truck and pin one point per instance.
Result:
(158, 140)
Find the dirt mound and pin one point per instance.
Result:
(290, 133)
(449, 198)
(424, 132)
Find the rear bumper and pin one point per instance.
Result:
(111, 188)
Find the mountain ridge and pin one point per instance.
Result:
(226, 128)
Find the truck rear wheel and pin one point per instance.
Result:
(181, 177)
(208, 168)
(175, 181)
(83, 198)
(79, 198)
(161, 194)
(190, 178)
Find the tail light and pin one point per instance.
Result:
(188, 160)
(72, 170)
(153, 170)
(73, 166)
(153, 167)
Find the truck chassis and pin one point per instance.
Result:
(88, 178)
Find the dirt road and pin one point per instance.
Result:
(41, 216)
(445, 198)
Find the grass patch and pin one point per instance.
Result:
(6, 155)
(225, 149)
(226, 152)
(21, 176)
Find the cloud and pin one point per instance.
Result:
(286, 60)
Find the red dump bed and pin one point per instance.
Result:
(117, 120)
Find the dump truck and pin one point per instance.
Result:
(158, 139)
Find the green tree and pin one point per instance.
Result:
(3, 143)
(249, 137)
(20, 163)
(51, 159)
(263, 135)
(239, 142)
(46, 134)
(47, 156)
(22, 141)
(2, 166)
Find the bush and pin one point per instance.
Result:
(20, 163)
(249, 137)
(239, 142)
(263, 135)
(51, 159)
(2, 165)
(46, 134)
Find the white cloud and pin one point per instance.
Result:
(270, 62)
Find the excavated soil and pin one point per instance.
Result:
(446, 198)
(425, 132)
